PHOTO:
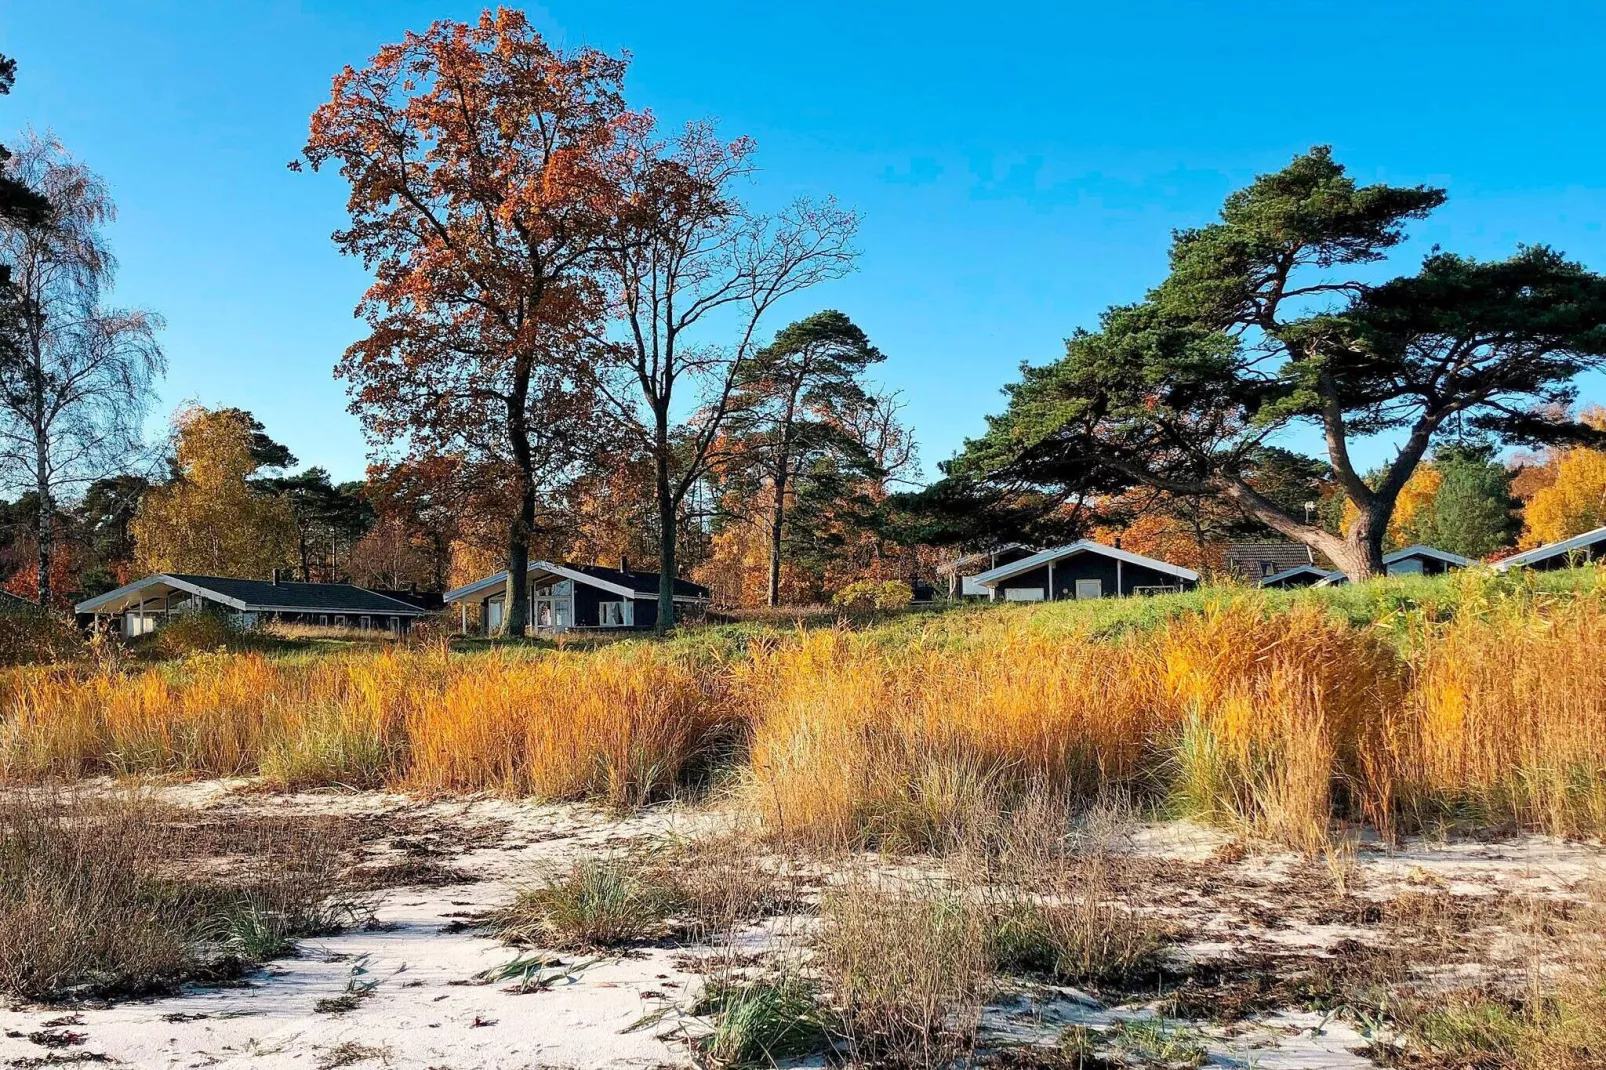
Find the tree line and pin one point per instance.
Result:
(568, 351)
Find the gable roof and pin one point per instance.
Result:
(981, 557)
(1083, 546)
(1250, 559)
(1420, 550)
(254, 596)
(1559, 548)
(1289, 573)
(630, 584)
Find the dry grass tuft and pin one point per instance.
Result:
(101, 897)
(908, 969)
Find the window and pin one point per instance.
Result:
(1023, 594)
(367, 622)
(340, 620)
(1090, 588)
(611, 614)
(323, 619)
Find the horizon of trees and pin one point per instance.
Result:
(570, 356)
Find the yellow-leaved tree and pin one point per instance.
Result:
(1416, 498)
(1574, 502)
(1570, 496)
(209, 520)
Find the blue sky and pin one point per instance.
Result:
(1019, 167)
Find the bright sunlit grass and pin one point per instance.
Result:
(1475, 696)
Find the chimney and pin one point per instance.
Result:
(1118, 542)
(624, 563)
(275, 577)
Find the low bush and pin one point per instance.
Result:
(203, 632)
(29, 637)
(862, 596)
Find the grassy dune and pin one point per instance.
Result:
(1472, 696)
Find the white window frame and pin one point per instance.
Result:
(1094, 585)
(611, 615)
(1023, 594)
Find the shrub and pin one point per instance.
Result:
(201, 632)
(864, 595)
(29, 637)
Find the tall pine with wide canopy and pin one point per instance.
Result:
(1268, 321)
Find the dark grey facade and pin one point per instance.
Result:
(1300, 577)
(1089, 572)
(568, 597)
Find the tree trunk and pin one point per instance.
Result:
(783, 464)
(516, 600)
(666, 532)
(777, 520)
(44, 533)
(1362, 557)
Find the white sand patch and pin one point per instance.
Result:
(423, 1008)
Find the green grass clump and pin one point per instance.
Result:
(1078, 942)
(1156, 1042)
(595, 904)
(761, 1022)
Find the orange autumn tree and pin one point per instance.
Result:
(209, 520)
(483, 165)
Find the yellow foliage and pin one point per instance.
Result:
(874, 594)
(209, 520)
(1574, 501)
(1416, 496)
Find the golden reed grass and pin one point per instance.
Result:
(1243, 715)
(1271, 720)
(1507, 718)
(622, 724)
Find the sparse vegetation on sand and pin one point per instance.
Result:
(96, 899)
